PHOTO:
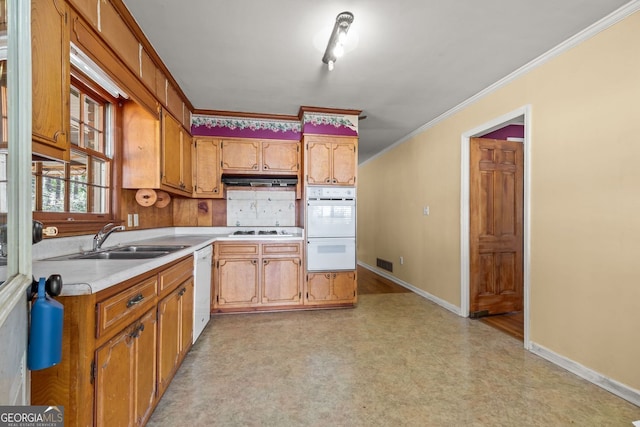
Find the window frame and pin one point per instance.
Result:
(75, 223)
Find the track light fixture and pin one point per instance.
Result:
(335, 47)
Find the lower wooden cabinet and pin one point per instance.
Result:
(331, 287)
(121, 348)
(125, 376)
(175, 332)
(256, 275)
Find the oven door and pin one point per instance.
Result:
(331, 218)
(330, 254)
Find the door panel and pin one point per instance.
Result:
(496, 226)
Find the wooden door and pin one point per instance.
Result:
(318, 287)
(344, 158)
(207, 168)
(51, 78)
(186, 170)
(238, 282)
(281, 281)
(168, 338)
(115, 381)
(171, 151)
(281, 156)
(319, 162)
(186, 316)
(145, 366)
(240, 156)
(344, 286)
(496, 226)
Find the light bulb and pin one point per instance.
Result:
(342, 37)
(338, 51)
(330, 64)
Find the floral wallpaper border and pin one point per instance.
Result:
(233, 126)
(332, 124)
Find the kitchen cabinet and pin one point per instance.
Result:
(175, 327)
(331, 288)
(176, 154)
(156, 151)
(126, 375)
(257, 275)
(251, 156)
(207, 168)
(331, 160)
(114, 343)
(50, 78)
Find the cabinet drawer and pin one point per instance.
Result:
(173, 276)
(119, 310)
(237, 249)
(281, 249)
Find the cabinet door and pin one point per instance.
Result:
(145, 367)
(168, 338)
(319, 288)
(281, 281)
(344, 286)
(126, 375)
(237, 282)
(171, 151)
(319, 163)
(281, 156)
(207, 168)
(240, 156)
(186, 316)
(344, 158)
(186, 177)
(50, 78)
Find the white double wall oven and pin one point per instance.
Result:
(331, 228)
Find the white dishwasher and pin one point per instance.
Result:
(202, 290)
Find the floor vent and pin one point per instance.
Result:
(386, 265)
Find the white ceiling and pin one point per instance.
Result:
(410, 61)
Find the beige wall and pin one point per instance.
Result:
(585, 201)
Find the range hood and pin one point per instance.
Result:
(259, 181)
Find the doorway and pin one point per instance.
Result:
(521, 116)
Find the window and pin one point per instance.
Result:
(81, 189)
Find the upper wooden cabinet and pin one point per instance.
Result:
(51, 78)
(156, 153)
(176, 155)
(206, 174)
(331, 160)
(252, 156)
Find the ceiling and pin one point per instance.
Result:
(405, 64)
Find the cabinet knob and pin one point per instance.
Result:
(334, 180)
(254, 261)
(215, 190)
(265, 167)
(328, 180)
(254, 167)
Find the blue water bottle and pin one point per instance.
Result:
(45, 335)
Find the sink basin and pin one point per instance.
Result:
(147, 248)
(121, 255)
(124, 252)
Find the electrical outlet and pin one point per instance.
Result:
(129, 220)
(135, 220)
(401, 260)
(425, 211)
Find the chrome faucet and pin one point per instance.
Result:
(105, 232)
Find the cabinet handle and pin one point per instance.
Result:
(328, 180)
(265, 167)
(335, 180)
(254, 261)
(182, 291)
(265, 261)
(328, 276)
(215, 190)
(135, 300)
(136, 332)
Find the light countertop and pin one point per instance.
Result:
(87, 276)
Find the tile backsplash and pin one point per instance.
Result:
(261, 208)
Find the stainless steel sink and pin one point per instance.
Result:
(124, 252)
(122, 255)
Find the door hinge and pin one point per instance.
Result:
(307, 295)
(217, 298)
(92, 373)
(221, 144)
(299, 295)
(300, 262)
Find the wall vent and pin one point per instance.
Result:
(385, 265)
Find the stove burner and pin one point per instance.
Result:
(244, 232)
(269, 232)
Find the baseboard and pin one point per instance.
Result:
(442, 303)
(619, 389)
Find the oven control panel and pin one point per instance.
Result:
(331, 193)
